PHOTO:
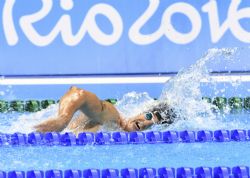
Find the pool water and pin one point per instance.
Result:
(121, 156)
(184, 92)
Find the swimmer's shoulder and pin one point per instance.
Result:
(109, 110)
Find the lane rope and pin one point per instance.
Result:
(234, 103)
(121, 138)
(162, 172)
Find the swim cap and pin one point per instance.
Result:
(164, 113)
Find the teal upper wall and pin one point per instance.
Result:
(47, 37)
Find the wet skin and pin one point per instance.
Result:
(94, 113)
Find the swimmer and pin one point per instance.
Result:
(95, 112)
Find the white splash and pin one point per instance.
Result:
(183, 92)
(134, 103)
(25, 122)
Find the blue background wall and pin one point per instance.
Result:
(123, 57)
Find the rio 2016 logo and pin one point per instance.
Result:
(63, 26)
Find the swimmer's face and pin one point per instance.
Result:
(139, 123)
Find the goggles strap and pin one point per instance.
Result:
(159, 117)
(153, 118)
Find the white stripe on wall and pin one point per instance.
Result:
(110, 80)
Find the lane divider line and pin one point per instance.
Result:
(235, 104)
(114, 138)
(168, 172)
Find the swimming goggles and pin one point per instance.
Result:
(161, 120)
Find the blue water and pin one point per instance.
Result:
(122, 156)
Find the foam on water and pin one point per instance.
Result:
(182, 92)
(24, 122)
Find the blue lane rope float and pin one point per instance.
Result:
(105, 138)
(147, 172)
(235, 103)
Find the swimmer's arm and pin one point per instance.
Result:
(54, 125)
(68, 105)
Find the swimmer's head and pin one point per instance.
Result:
(141, 122)
(163, 112)
(159, 114)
